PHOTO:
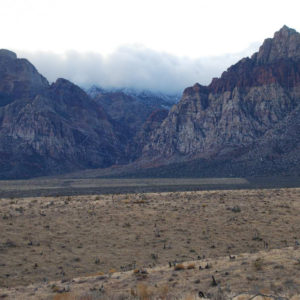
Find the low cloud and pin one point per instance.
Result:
(133, 66)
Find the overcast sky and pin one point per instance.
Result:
(162, 45)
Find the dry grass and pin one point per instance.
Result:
(58, 238)
(190, 266)
(179, 267)
(258, 264)
(231, 276)
(63, 237)
(64, 296)
(144, 292)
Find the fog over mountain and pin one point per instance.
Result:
(244, 123)
(133, 66)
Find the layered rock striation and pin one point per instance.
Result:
(254, 103)
(246, 122)
(49, 129)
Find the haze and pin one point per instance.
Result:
(160, 45)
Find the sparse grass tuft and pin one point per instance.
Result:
(236, 209)
(99, 274)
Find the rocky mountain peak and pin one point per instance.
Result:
(285, 31)
(284, 45)
(8, 54)
(277, 61)
(18, 78)
(226, 120)
(195, 89)
(63, 82)
(65, 85)
(66, 92)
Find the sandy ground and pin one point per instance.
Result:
(60, 238)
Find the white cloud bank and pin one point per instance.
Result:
(133, 66)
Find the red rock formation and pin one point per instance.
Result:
(236, 111)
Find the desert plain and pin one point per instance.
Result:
(217, 244)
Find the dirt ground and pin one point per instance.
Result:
(59, 238)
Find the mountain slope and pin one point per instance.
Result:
(132, 112)
(49, 129)
(18, 78)
(235, 119)
(244, 123)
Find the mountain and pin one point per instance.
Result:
(244, 123)
(146, 96)
(131, 111)
(130, 108)
(48, 129)
(18, 78)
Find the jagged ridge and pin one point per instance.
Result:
(237, 112)
(49, 129)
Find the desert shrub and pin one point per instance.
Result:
(154, 256)
(179, 267)
(164, 291)
(191, 266)
(64, 296)
(112, 271)
(236, 209)
(99, 273)
(143, 291)
(139, 201)
(258, 264)
(256, 236)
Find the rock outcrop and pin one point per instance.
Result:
(49, 129)
(18, 78)
(254, 103)
(154, 120)
(134, 115)
(246, 122)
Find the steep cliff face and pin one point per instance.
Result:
(284, 45)
(246, 122)
(131, 108)
(136, 145)
(236, 111)
(18, 78)
(125, 110)
(49, 129)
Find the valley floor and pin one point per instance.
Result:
(90, 182)
(49, 239)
